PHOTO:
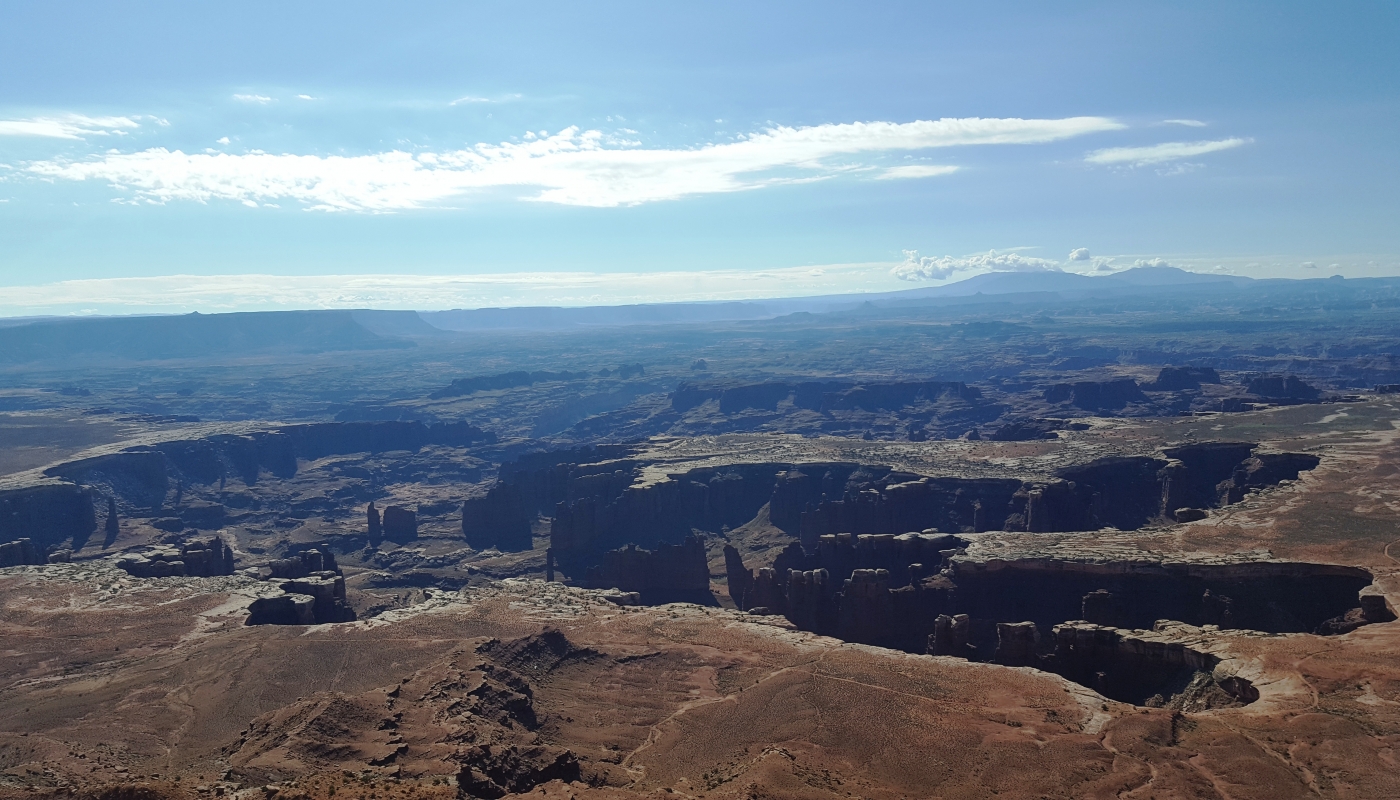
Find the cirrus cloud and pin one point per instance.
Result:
(67, 126)
(1160, 153)
(571, 167)
(914, 171)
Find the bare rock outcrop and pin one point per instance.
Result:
(952, 637)
(1282, 387)
(1167, 665)
(195, 558)
(375, 528)
(500, 519)
(1017, 643)
(313, 591)
(400, 524)
(668, 572)
(19, 552)
(51, 515)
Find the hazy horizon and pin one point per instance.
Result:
(443, 157)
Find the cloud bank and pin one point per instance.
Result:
(926, 268)
(571, 167)
(1160, 153)
(67, 126)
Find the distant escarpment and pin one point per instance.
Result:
(505, 380)
(820, 395)
(1096, 395)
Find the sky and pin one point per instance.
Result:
(171, 157)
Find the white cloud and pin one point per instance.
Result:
(1079, 254)
(926, 268)
(1159, 153)
(1151, 262)
(253, 98)
(1190, 123)
(571, 167)
(305, 97)
(467, 99)
(222, 140)
(1310, 265)
(914, 171)
(67, 126)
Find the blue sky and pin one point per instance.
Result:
(172, 157)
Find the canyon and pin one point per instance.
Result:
(1026, 548)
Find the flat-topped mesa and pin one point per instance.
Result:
(1282, 388)
(195, 558)
(1096, 395)
(1175, 379)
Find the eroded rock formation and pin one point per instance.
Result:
(197, 558)
(669, 572)
(313, 591)
(949, 604)
(50, 515)
(400, 524)
(820, 395)
(1174, 379)
(1096, 395)
(19, 552)
(1282, 387)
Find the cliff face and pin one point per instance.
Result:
(1096, 395)
(313, 591)
(276, 451)
(141, 478)
(1124, 493)
(193, 558)
(669, 573)
(596, 507)
(50, 515)
(854, 588)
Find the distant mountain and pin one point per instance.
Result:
(195, 335)
(1071, 283)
